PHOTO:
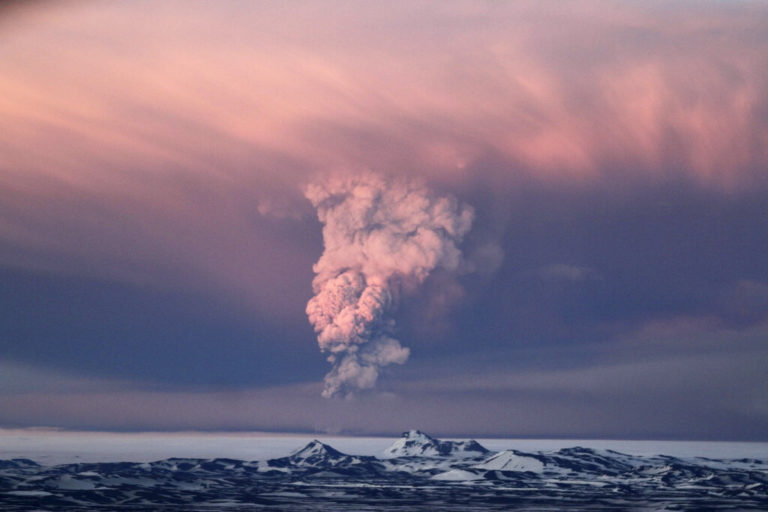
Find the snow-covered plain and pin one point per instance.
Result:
(50, 447)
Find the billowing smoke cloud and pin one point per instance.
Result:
(382, 238)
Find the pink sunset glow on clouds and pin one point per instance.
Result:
(125, 91)
(132, 132)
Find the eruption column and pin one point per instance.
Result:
(382, 238)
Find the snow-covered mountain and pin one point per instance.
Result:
(320, 460)
(512, 460)
(418, 473)
(316, 454)
(415, 443)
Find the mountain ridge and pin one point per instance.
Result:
(416, 468)
(415, 443)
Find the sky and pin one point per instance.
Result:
(538, 218)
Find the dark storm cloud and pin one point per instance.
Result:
(107, 330)
(641, 253)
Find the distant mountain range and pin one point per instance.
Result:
(417, 472)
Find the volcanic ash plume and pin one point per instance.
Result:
(382, 238)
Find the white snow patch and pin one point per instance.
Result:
(457, 475)
(28, 493)
(508, 460)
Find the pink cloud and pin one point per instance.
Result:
(169, 144)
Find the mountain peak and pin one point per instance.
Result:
(416, 443)
(317, 454)
(317, 449)
(417, 434)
